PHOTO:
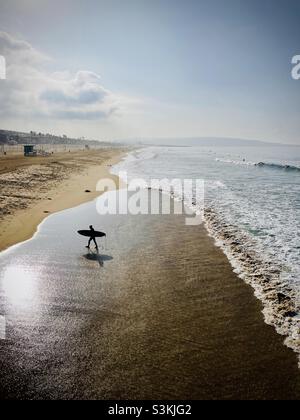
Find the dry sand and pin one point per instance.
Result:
(32, 188)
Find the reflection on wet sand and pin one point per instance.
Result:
(19, 285)
(97, 256)
(158, 315)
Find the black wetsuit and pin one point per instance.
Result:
(92, 238)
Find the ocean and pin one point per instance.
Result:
(252, 209)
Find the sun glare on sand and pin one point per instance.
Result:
(19, 285)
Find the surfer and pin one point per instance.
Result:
(92, 237)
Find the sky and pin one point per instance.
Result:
(116, 69)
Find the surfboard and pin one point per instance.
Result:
(90, 234)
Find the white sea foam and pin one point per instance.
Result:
(252, 211)
(235, 162)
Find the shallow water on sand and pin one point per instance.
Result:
(252, 209)
(159, 314)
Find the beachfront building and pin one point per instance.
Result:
(29, 150)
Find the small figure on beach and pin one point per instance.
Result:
(92, 237)
(92, 234)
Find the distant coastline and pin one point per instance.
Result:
(14, 138)
(204, 142)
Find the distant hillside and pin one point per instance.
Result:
(15, 138)
(201, 141)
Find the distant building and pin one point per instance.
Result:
(3, 138)
(29, 151)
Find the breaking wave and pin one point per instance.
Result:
(266, 165)
(265, 254)
(279, 299)
(235, 162)
(278, 166)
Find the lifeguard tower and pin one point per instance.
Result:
(29, 151)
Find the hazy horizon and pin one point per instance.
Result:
(174, 141)
(206, 141)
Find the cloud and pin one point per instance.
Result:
(9, 43)
(19, 51)
(83, 89)
(78, 97)
(31, 91)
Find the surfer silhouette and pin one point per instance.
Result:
(92, 238)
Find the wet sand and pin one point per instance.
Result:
(159, 315)
(33, 188)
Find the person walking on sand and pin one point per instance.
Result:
(92, 238)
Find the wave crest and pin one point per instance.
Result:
(267, 165)
(278, 166)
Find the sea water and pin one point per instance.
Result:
(252, 209)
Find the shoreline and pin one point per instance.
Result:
(217, 299)
(67, 193)
(120, 331)
(279, 300)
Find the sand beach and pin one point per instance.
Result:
(32, 188)
(158, 314)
